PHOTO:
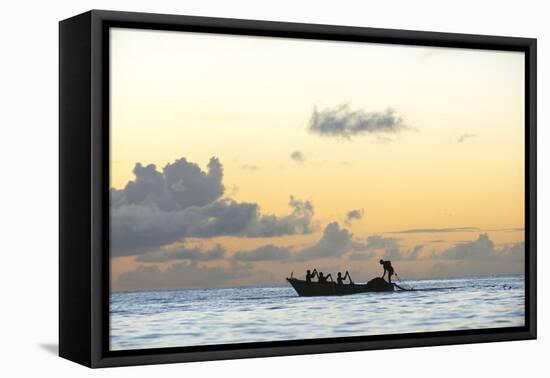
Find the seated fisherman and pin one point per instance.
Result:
(387, 268)
(310, 274)
(323, 278)
(340, 280)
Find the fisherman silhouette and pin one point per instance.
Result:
(310, 274)
(387, 268)
(340, 280)
(322, 278)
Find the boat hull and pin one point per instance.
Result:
(312, 289)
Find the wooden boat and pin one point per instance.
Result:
(311, 289)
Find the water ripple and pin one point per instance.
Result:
(250, 314)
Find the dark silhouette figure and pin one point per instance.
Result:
(387, 268)
(322, 278)
(310, 275)
(340, 280)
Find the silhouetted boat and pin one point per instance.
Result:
(311, 289)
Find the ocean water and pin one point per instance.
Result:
(168, 318)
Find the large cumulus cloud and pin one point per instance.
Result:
(158, 208)
(345, 122)
(180, 185)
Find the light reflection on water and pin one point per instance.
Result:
(156, 319)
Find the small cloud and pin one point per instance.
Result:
(515, 229)
(429, 53)
(249, 167)
(344, 122)
(354, 214)
(435, 230)
(298, 157)
(465, 136)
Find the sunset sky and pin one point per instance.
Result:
(237, 160)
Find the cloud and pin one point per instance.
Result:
(298, 157)
(184, 253)
(379, 242)
(249, 167)
(361, 255)
(483, 248)
(515, 229)
(138, 228)
(268, 252)
(299, 221)
(465, 136)
(479, 257)
(344, 122)
(181, 275)
(334, 242)
(390, 247)
(158, 208)
(427, 54)
(434, 230)
(397, 254)
(180, 185)
(355, 214)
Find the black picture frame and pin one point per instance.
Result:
(84, 190)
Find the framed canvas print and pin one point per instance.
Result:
(236, 188)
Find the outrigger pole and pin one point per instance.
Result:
(399, 287)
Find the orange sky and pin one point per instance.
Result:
(450, 154)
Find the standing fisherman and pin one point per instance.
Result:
(387, 268)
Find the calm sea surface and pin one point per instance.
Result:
(155, 319)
